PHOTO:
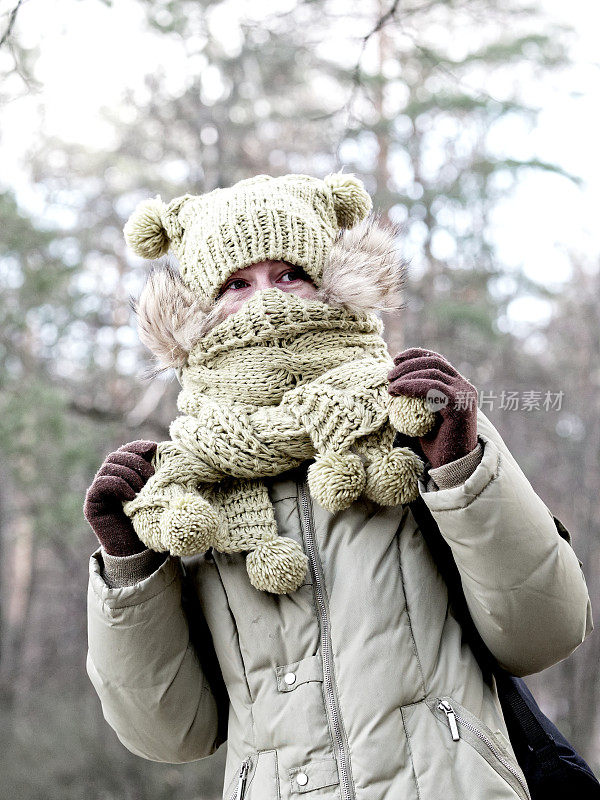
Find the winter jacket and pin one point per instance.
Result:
(357, 686)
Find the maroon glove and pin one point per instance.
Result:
(418, 371)
(120, 478)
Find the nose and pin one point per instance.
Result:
(264, 282)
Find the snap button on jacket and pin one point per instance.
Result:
(358, 685)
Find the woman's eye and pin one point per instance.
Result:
(237, 284)
(292, 275)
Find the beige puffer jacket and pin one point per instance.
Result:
(357, 686)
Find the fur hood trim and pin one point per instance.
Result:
(364, 272)
(170, 317)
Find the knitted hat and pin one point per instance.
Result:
(293, 218)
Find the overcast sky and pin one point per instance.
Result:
(89, 52)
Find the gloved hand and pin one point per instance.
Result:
(417, 371)
(120, 478)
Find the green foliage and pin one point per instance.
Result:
(546, 49)
(51, 452)
(451, 313)
(33, 287)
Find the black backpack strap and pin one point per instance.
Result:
(520, 716)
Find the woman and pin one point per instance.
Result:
(356, 684)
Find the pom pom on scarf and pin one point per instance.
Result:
(392, 478)
(189, 525)
(410, 415)
(336, 480)
(277, 565)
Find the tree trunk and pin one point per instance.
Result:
(19, 566)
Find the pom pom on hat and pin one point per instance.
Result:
(351, 200)
(145, 232)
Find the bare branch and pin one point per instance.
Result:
(480, 94)
(12, 18)
(356, 72)
(383, 20)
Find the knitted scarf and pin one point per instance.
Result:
(281, 381)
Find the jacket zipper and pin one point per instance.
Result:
(453, 718)
(240, 789)
(326, 647)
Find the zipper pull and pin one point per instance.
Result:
(451, 716)
(242, 779)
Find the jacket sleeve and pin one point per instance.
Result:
(145, 669)
(523, 583)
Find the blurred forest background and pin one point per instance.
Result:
(414, 97)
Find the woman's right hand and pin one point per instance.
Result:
(121, 476)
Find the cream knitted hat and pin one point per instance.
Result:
(292, 218)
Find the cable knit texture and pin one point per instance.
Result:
(293, 218)
(283, 380)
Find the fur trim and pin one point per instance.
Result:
(365, 272)
(170, 316)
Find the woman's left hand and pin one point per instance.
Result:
(427, 374)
